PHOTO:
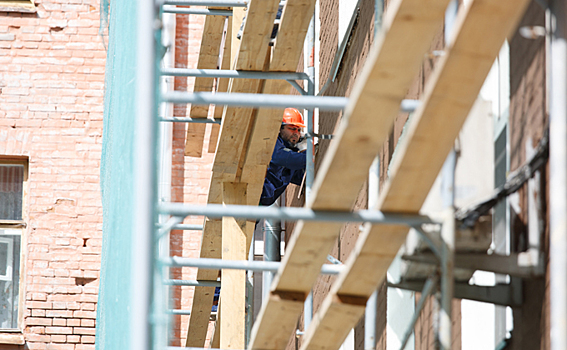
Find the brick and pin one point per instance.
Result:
(36, 321)
(73, 338)
(87, 323)
(87, 339)
(7, 37)
(59, 305)
(88, 307)
(37, 338)
(58, 330)
(58, 338)
(36, 330)
(84, 331)
(37, 313)
(39, 305)
(74, 322)
(62, 322)
(84, 347)
(84, 314)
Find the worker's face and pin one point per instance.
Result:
(290, 133)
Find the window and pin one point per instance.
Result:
(13, 177)
(26, 6)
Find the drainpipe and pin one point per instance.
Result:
(272, 234)
(558, 179)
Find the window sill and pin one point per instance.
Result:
(16, 337)
(22, 6)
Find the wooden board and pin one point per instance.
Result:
(449, 95)
(393, 62)
(203, 297)
(208, 59)
(233, 291)
(294, 23)
(260, 16)
(222, 87)
(215, 341)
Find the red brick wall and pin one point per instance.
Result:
(51, 107)
(528, 121)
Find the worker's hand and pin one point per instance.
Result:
(302, 144)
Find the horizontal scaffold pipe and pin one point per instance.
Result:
(191, 11)
(211, 3)
(188, 227)
(179, 312)
(220, 264)
(192, 283)
(257, 100)
(225, 73)
(191, 120)
(409, 106)
(291, 214)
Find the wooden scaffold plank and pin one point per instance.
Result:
(233, 291)
(449, 96)
(393, 62)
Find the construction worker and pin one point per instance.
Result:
(287, 166)
(288, 163)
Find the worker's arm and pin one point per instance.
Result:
(288, 158)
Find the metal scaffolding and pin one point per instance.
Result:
(150, 314)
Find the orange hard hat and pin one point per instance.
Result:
(291, 116)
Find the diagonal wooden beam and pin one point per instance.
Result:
(449, 96)
(252, 52)
(222, 87)
(208, 59)
(393, 62)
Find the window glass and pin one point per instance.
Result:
(10, 240)
(11, 191)
(4, 257)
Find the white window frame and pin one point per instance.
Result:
(15, 335)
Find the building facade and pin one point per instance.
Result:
(51, 107)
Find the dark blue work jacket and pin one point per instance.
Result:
(287, 166)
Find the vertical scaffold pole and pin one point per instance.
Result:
(558, 178)
(310, 166)
(373, 194)
(448, 252)
(372, 303)
(141, 332)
